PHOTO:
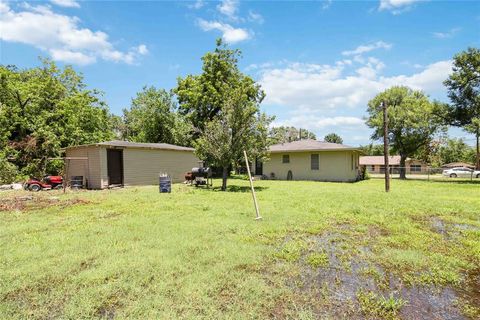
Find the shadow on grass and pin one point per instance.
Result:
(457, 181)
(436, 180)
(238, 189)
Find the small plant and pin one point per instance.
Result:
(379, 306)
(317, 260)
(470, 311)
(291, 251)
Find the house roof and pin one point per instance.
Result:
(380, 160)
(141, 145)
(309, 145)
(458, 164)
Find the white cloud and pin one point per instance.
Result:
(326, 4)
(319, 123)
(255, 17)
(142, 49)
(229, 8)
(449, 34)
(333, 98)
(66, 3)
(61, 36)
(229, 33)
(72, 56)
(313, 89)
(367, 48)
(196, 5)
(396, 6)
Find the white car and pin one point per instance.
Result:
(461, 172)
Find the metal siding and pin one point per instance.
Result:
(90, 169)
(334, 166)
(142, 166)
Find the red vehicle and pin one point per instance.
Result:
(48, 183)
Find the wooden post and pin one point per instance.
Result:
(385, 147)
(66, 164)
(258, 217)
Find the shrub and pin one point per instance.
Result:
(8, 171)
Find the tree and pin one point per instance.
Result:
(240, 126)
(333, 138)
(285, 134)
(44, 109)
(456, 150)
(412, 119)
(223, 106)
(153, 118)
(464, 92)
(372, 149)
(202, 97)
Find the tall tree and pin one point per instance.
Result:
(412, 119)
(223, 106)
(44, 109)
(333, 138)
(202, 97)
(455, 150)
(285, 134)
(153, 118)
(240, 126)
(464, 92)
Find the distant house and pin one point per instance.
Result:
(128, 163)
(376, 164)
(457, 165)
(311, 160)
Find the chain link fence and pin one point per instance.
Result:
(427, 173)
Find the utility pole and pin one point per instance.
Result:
(385, 146)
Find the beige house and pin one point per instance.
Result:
(311, 160)
(376, 164)
(127, 163)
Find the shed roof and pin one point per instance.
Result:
(309, 145)
(141, 145)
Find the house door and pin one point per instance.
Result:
(115, 166)
(258, 167)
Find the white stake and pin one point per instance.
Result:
(251, 187)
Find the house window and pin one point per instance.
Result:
(314, 162)
(286, 158)
(415, 168)
(371, 168)
(382, 169)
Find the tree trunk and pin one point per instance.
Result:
(403, 169)
(224, 178)
(478, 150)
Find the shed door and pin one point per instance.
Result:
(115, 166)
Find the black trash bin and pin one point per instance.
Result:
(165, 183)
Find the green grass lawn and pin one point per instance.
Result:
(323, 250)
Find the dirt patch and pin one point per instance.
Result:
(33, 202)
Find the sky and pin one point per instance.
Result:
(319, 62)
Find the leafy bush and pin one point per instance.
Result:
(364, 175)
(8, 171)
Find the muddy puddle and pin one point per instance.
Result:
(336, 284)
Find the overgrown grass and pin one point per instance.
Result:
(198, 253)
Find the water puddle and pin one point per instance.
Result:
(344, 271)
